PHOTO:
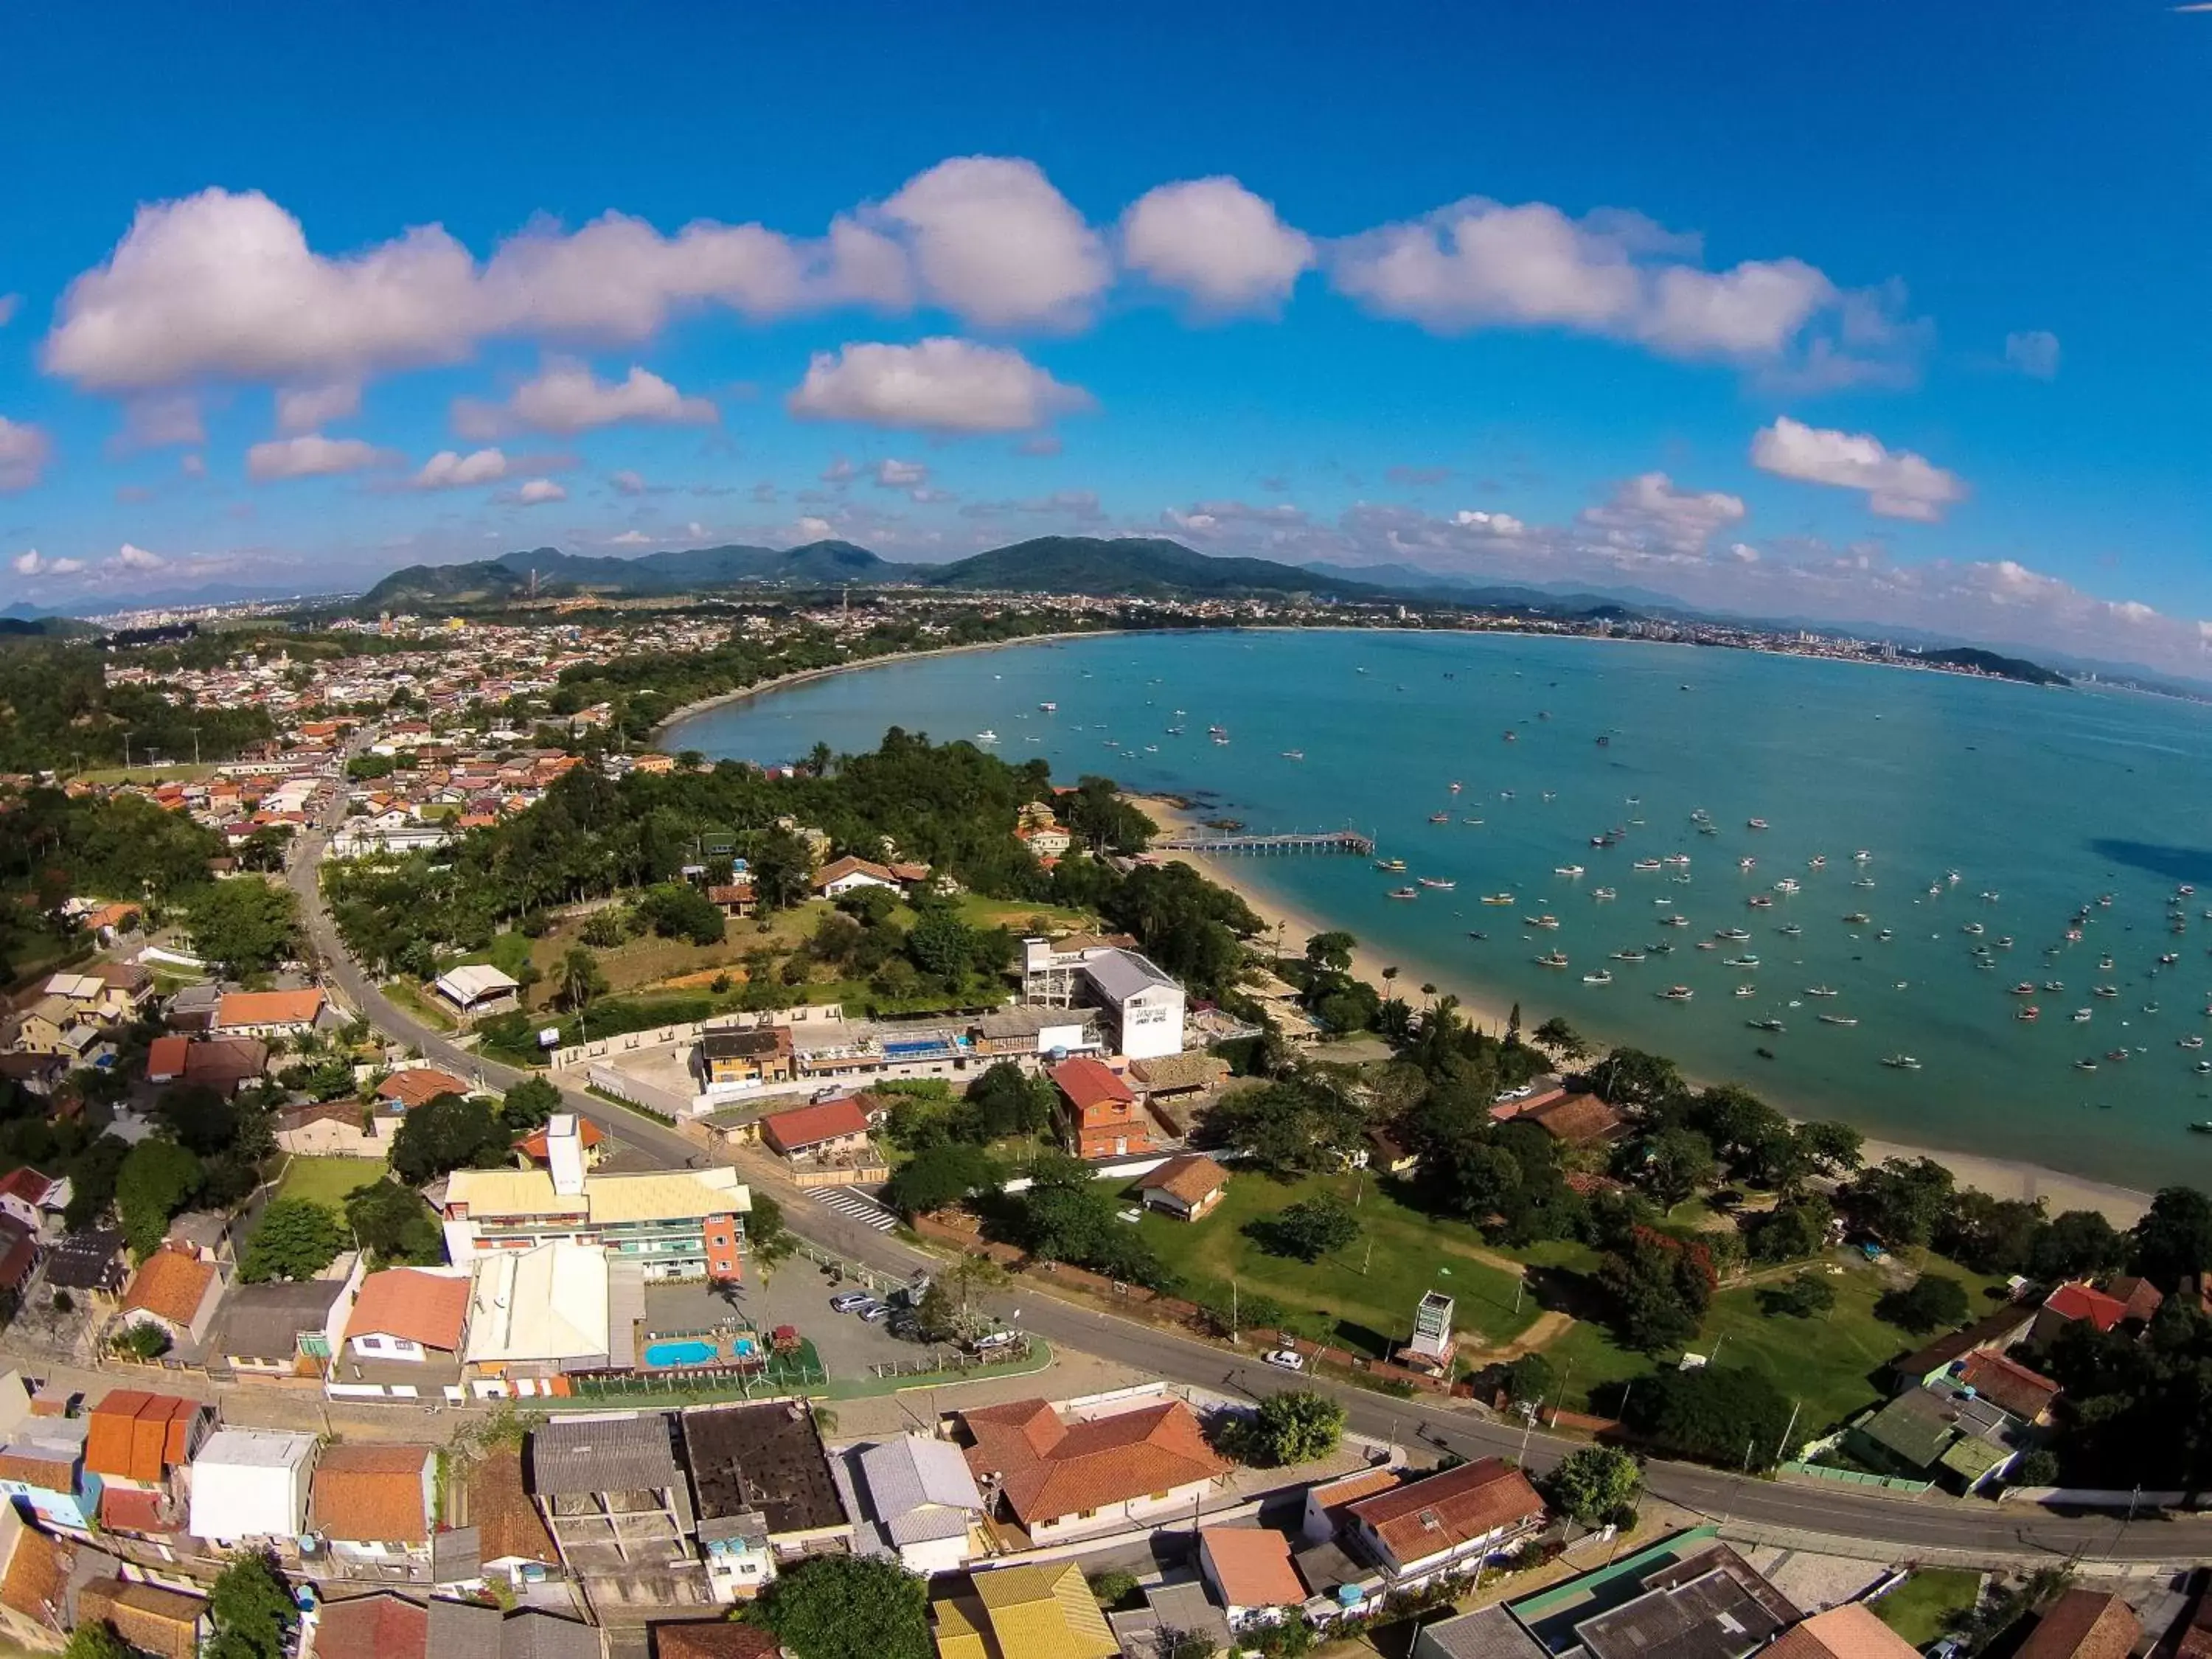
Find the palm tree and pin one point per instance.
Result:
(581, 982)
(1427, 991)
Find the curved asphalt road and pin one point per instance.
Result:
(1900, 1523)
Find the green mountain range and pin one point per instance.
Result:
(1088, 565)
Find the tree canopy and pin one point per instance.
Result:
(835, 1607)
(296, 1238)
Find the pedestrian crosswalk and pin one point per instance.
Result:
(856, 1205)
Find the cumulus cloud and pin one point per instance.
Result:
(2034, 353)
(24, 452)
(1896, 483)
(840, 470)
(137, 558)
(35, 563)
(1482, 263)
(537, 492)
(1650, 513)
(899, 475)
(313, 456)
(567, 397)
(937, 385)
(1216, 241)
(628, 481)
(630, 538)
(8, 303)
(451, 470)
(995, 243)
(1495, 524)
(310, 408)
(815, 530)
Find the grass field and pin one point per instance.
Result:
(327, 1180)
(1356, 1299)
(1015, 914)
(1921, 1609)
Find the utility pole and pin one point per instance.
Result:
(196, 747)
(1782, 1451)
(126, 754)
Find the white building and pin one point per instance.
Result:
(537, 1313)
(478, 989)
(922, 1500)
(1143, 1005)
(250, 1485)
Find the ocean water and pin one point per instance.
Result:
(2041, 802)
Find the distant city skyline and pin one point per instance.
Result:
(1887, 319)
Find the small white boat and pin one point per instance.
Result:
(1839, 1019)
(1901, 1062)
(1747, 990)
(1603, 893)
(1646, 865)
(1676, 994)
(1049, 707)
(987, 736)
(1568, 869)
(1441, 884)
(1601, 977)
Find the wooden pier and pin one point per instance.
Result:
(1327, 840)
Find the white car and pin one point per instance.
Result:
(1289, 1358)
(993, 1339)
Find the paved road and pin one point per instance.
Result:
(1902, 1522)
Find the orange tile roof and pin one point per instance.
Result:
(1849, 1631)
(1332, 1497)
(712, 1638)
(379, 1626)
(127, 1508)
(588, 1135)
(508, 1526)
(1048, 1468)
(165, 1056)
(1252, 1564)
(809, 1125)
(1189, 1177)
(149, 1618)
(1090, 1084)
(1423, 1517)
(170, 1286)
(374, 1493)
(419, 1084)
(2083, 1623)
(136, 1436)
(240, 1008)
(426, 1308)
(37, 1579)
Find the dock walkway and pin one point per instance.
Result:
(1328, 840)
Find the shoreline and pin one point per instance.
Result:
(2000, 1177)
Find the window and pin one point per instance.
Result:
(1084, 1515)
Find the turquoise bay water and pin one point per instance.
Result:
(2040, 801)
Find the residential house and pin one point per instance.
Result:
(34, 1075)
(1187, 1187)
(1577, 1120)
(37, 1574)
(470, 1630)
(512, 1542)
(832, 1136)
(1057, 1480)
(919, 1500)
(678, 1223)
(1046, 840)
(537, 1146)
(418, 1085)
(373, 1506)
(250, 1485)
(273, 1013)
(1015, 1612)
(2142, 1299)
(379, 1626)
(733, 898)
(765, 1491)
(1993, 1334)
(1171, 1614)
(536, 1316)
(1250, 1573)
(274, 1332)
(1036, 1033)
(2083, 1623)
(176, 1291)
(42, 1467)
(741, 1057)
(33, 1200)
(88, 1265)
(404, 1332)
(44, 1028)
(1444, 1522)
(1943, 1428)
(151, 1619)
(205, 1233)
(2073, 1301)
(193, 1008)
(1099, 1116)
(1849, 1631)
(224, 1064)
(477, 989)
(329, 1128)
(712, 1638)
(1171, 1078)
(1326, 1504)
(19, 1256)
(845, 874)
(614, 1497)
(138, 1444)
(2024, 1394)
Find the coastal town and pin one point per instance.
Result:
(648, 1255)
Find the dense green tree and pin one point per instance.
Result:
(201, 1119)
(943, 1174)
(942, 944)
(157, 1179)
(782, 871)
(1675, 1163)
(251, 1610)
(1790, 1231)
(2173, 1239)
(1805, 1297)
(835, 1607)
(1631, 1078)
(1331, 950)
(447, 1132)
(1007, 1101)
(1295, 1426)
(677, 910)
(1561, 1038)
(1902, 1201)
(1990, 1235)
(528, 1104)
(1286, 1128)
(1529, 1380)
(1308, 1229)
(1932, 1302)
(296, 1238)
(581, 979)
(1592, 1483)
(2077, 1244)
(95, 1639)
(1830, 1148)
(1731, 1416)
(394, 1224)
(768, 1240)
(1661, 1287)
(248, 926)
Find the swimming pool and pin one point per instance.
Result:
(680, 1353)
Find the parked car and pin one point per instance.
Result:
(994, 1340)
(846, 1301)
(1289, 1358)
(875, 1313)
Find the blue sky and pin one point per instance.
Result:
(1889, 312)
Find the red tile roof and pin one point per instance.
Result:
(135, 1436)
(1252, 1566)
(712, 1638)
(373, 1494)
(430, 1308)
(165, 1056)
(128, 1509)
(2141, 1298)
(809, 1125)
(1423, 1517)
(1090, 1084)
(240, 1008)
(1189, 1177)
(2083, 1623)
(1048, 1468)
(27, 1184)
(2079, 1301)
(2007, 1382)
(589, 1134)
(419, 1084)
(1849, 1631)
(379, 1626)
(170, 1286)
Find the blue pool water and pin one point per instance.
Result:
(679, 1353)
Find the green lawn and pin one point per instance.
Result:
(1356, 1299)
(328, 1180)
(1921, 1609)
(1014, 914)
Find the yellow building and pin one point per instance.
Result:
(1023, 1613)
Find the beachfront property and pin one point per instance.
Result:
(675, 1224)
(1142, 1005)
(1045, 1478)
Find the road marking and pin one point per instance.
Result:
(857, 1207)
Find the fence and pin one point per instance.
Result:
(1854, 1477)
(953, 1361)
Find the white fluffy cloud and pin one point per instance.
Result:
(1483, 263)
(1898, 484)
(313, 456)
(451, 470)
(35, 563)
(311, 407)
(995, 243)
(1494, 524)
(24, 452)
(2034, 353)
(899, 475)
(1216, 241)
(537, 492)
(137, 558)
(567, 397)
(939, 385)
(1650, 513)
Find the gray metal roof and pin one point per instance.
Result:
(602, 1454)
(463, 1630)
(456, 1556)
(1122, 973)
(920, 1489)
(1713, 1605)
(1487, 1633)
(263, 1321)
(533, 1635)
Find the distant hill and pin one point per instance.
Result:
(483, 581)
(1990, 662)
(1141, 567)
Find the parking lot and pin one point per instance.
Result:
(798, 1293)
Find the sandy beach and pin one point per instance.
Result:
(2000, 1177)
